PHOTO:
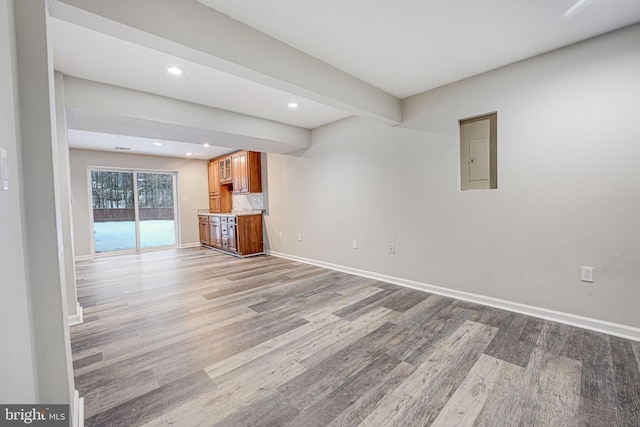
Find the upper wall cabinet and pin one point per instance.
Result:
(214, 178)
(246, 171)
(224, 167)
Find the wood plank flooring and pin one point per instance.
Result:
(192, 337)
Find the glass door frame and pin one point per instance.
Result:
(135, 171)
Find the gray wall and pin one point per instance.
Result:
(16, 352)
(192, 184)
(568, 186)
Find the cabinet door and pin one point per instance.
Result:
(215, 204)
(225, 170)
(249, 235)
(204, 230)
(233, 243)
(240, 172)
(215, 239)
(214, 178)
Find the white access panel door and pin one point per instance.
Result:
(478, 159)
(475, 155)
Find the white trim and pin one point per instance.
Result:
(83, 257)
(78, 409)
(615, 329)
(77, 318)
(190, 245)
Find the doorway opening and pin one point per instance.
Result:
(133, 210)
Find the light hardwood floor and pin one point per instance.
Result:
(192, 337)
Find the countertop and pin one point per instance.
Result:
(238, 213)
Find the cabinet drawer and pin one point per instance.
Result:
(224, 228)
(214, 220)
(204, 219)
(223, 219)
(231, 220)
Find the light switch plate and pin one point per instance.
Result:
(4, 170)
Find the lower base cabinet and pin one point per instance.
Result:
(236, 234)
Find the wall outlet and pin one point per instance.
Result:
(300, 237)
(392, 248)
(280, 234)
(587, 274)
(354, 244)
(4, 170)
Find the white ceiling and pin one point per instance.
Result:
(406, 47)
(136, 145)
(91, 55)
(403, 47)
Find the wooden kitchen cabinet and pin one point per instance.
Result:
(215, 236)
(221, 203)
(249, 235)
(240, 172)
(224, 168)
(232, 232)
(219, 195)
(203, 221)
(214, 178)
(238, 235)
(246, 171)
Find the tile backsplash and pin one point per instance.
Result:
(247, 202)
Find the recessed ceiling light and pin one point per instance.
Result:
(157, 144)
(293, 105)
(176, 71)
(206, 145)
(189, 154)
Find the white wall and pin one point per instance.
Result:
(16, 353)
(69, 266)
(45, 251)
(192, 184)
(568, 186)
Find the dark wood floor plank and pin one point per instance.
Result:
(404, 299)
(627, 374)
(598, 376)
(372, 396)
(154, 403)
(344, 395)
(348, 312)
(516, 339)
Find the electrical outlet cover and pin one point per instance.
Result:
(587, 274)
(4, 170)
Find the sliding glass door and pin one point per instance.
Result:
(133, 210)
(156, 209)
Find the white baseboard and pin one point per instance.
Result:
(616, 329)
(76, 319)
(78, 410)
(83, 257)
(190, 245)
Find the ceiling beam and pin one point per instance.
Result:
(195, 32)
(100, 107)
